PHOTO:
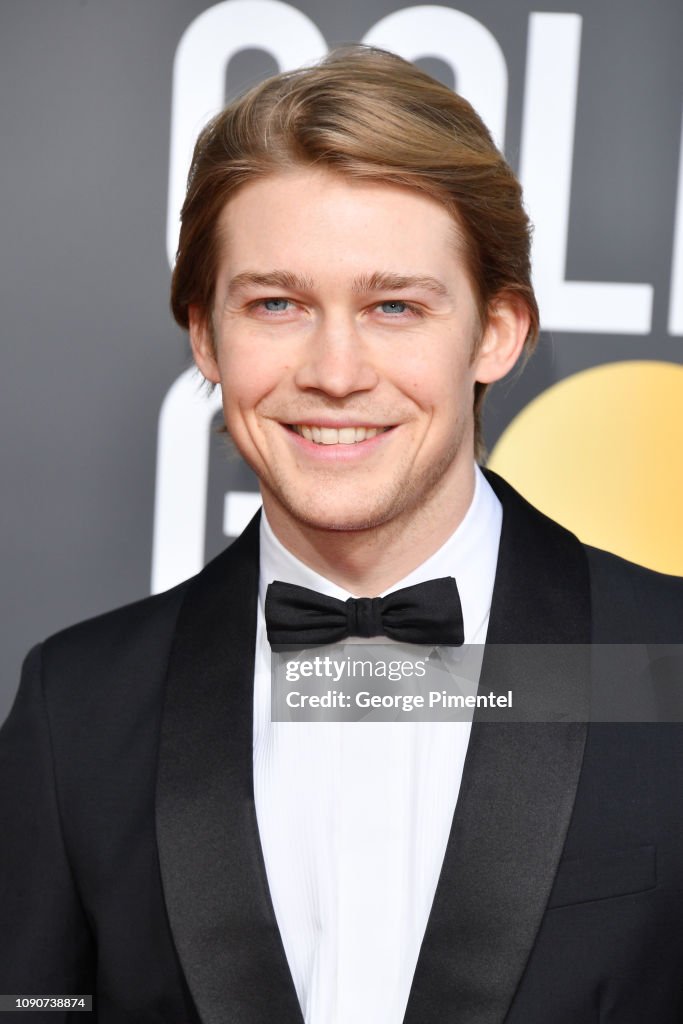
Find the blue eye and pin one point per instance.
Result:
(393, 307)
(275, 305)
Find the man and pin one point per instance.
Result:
(353, 269)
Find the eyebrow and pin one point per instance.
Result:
(363, 284)
(388, 282)
(273, 279)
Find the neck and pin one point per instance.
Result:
(367, 562)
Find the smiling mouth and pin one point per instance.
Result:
(336, 435)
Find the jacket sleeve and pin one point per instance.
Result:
(46, 946)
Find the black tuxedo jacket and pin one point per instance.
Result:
(130, 862)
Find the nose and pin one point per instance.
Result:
(337, 360)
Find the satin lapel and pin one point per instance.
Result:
(518, 785)
(212, 866)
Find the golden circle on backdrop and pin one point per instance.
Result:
(602, 453)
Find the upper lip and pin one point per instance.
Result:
(337, 424)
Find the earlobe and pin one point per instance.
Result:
(202, 344)
(503, 340)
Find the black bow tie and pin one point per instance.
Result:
(427, 613)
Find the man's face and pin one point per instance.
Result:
(344, 330)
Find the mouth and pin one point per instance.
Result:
(336, 435)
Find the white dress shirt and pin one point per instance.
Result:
(354, 817)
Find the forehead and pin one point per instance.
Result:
(319, 220)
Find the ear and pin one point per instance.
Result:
(202, 343)
(503, 339)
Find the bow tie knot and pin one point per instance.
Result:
(425, 613)
(364, 616)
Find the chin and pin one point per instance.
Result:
(339, 521)
(339, 516)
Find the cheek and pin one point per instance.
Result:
(247, 379)
(439, 381)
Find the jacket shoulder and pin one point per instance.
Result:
(106, 632)
(119, 653)
(125, 652)
(632, 603)
(629, 603)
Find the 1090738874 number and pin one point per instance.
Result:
(45, 1002)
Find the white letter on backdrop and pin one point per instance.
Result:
(676, 296)
(183, 446)
(548, 121)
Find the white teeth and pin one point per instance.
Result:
(334, 435)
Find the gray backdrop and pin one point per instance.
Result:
(89, 350)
